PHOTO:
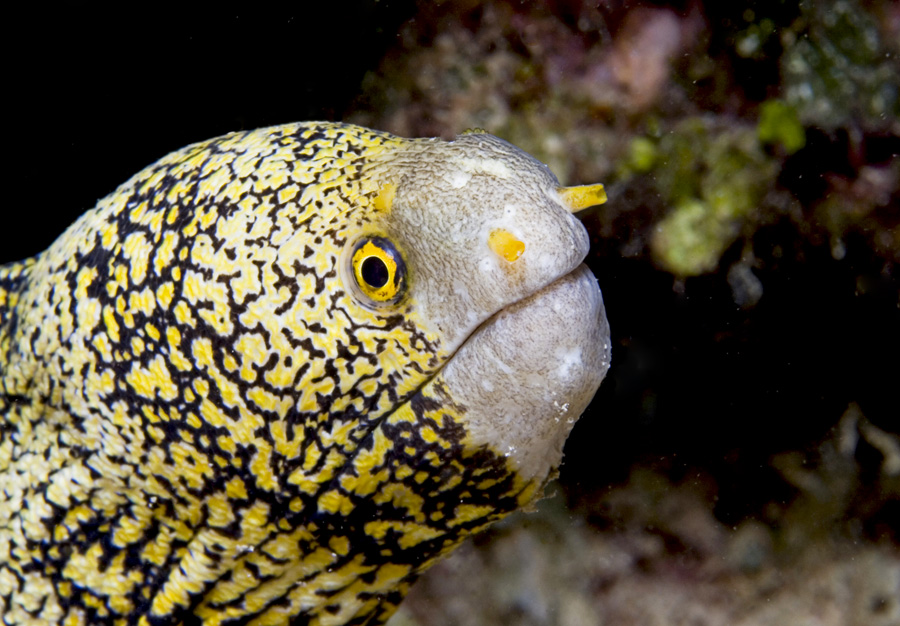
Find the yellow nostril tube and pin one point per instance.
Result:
(505, 244)
(581, 197)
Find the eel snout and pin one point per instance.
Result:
(530, 371)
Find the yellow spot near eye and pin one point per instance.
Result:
(385, 197)
(581, 197)
(504, 244)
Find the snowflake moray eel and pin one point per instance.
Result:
(278, 374)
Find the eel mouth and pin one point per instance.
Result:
(566, 314)
(526, 374)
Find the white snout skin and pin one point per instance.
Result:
(529, 372)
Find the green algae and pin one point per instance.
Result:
(714, 177)
(642, 154)
(779, 124)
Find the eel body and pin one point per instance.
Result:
(278, 374)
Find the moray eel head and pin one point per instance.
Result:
(493, 255)
(277, 374)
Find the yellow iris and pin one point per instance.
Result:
(378, 269)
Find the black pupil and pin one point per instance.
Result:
(374, 272)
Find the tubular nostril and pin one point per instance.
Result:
(582, 197)
(505, 244)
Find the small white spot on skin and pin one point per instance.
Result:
(491, 167)
(561, 409)
(569, 362)
(459, 179)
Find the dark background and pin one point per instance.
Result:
(95, 95)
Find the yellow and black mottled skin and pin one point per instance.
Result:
(201, 422)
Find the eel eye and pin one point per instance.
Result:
(378, 269)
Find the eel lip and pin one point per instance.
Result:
(529, 371)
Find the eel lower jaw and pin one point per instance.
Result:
(527, 373)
